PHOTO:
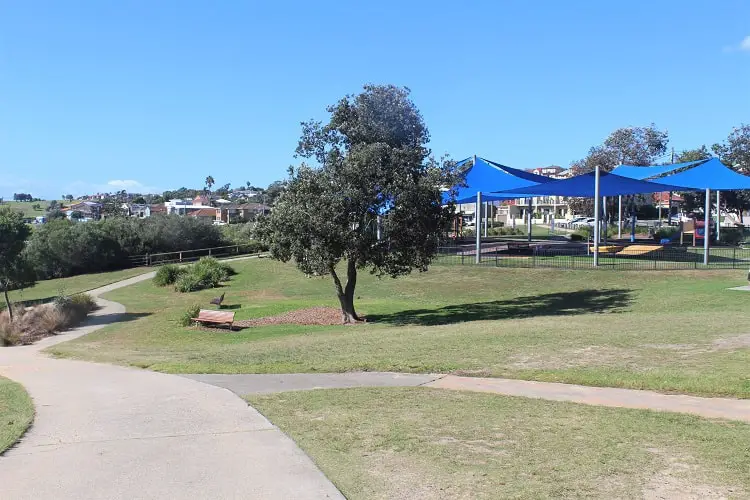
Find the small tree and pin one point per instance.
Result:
(14, 270)
(375, 177)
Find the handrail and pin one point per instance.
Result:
(178, 256)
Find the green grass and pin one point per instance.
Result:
(75, 284)
(666, 331)
(27, 208)
(403, 443)
(16, 412)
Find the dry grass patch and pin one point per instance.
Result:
(30, 324)
(404, 443)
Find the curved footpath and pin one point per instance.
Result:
(104, 431)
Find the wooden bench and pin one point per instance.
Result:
(215, 318)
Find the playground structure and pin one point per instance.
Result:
(696, 229)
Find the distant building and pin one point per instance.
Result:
(240, 213)
(90, 209)
(207, 214)
(137, 210)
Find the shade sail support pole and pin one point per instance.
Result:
(718, 215)
(619, 217)
(596, 217)
(707, 227)
(669, 210)
(528, 213)
(605, 220)
(486, 217)
(478, 233)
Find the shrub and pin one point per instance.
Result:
(168, 274)
(665, 233)
(10, 333)
(731, 236)
(186, 318)
(62, 248)
(210, 267)
(189, 282)
(206, 273)
(71, 310)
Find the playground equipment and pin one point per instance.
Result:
(694, 228)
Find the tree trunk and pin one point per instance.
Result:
(7, 302)
(346, 294)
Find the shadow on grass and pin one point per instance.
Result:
(107, 319)
(231, 306)
(551, 304)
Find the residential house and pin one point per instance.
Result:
(202, 200)
(543, 208)
(137, 210)
(158, 209)
(207, 214)
(231, 213)
(184, 207)
(90, 209)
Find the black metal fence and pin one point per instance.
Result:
(639, 257)
(193, 255)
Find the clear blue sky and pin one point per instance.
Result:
(158, 94)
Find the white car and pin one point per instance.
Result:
(587, 221)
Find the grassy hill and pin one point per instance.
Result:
(27, 207)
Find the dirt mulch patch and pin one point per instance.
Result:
(310, 316)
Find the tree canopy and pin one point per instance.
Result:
(372, 199)
(628, 145)
(14, 271)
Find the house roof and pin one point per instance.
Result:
(247, 206)
(204, 212)
(158, 208)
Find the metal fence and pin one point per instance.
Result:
(570, 256)
(156, 259)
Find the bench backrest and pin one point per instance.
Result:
(216, 316)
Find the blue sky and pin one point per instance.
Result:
(156, 94)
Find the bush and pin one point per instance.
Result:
(189, 282)
(62, 248)
(10, 333)
(665, 233)
(206, 273)
(186, 319)
(43, 320)
(731, 235)
(168, 274)
(72, 310)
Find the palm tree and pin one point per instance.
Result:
(209, 182)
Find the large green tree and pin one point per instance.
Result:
(14, 270)
(373, 199)
(629, 146)
(734, 152)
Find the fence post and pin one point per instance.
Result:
(734, 257)
(209, 252)
(462, 258)
(180, 256)
(148, 260)
(496, 259)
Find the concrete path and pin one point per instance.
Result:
(731, 409)
(109, 432)
(260, 384)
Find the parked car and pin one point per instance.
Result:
(586, 222)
